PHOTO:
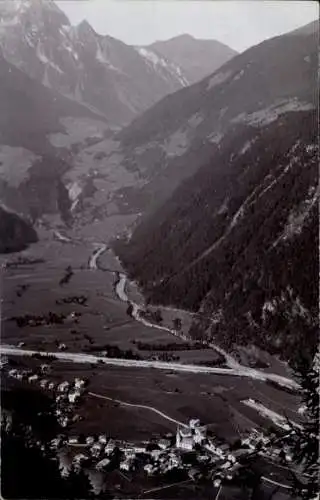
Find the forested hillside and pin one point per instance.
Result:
(239, 240)
(15, 233)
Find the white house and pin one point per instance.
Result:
(156, 454)
(184, 439)
(103, 463)
(200, 434)
(73, 440)
(226, 465)
(90, 440)
(173, 462)
(43, 383)
(127, 464)
(51, 386)
(129, 452)
(33, 378)
(193, 423)
(140, 449)
(164, 443)
(148, 468)
(110, 446)
(73, 396)
(96, 449)
(63, 386)
(79, 383)
(64, 421)
(102, 439)
(80, 458)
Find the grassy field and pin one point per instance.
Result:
(215, 399)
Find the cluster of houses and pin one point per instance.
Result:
(66, 394)
(159, 457)
(267, 446)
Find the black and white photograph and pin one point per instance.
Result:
(159, 249)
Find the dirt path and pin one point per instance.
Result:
(143, 407)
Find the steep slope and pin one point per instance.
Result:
(33, 120)
(196, 58)
(100, 71)
(238, 239)
(30, 112)
(15, 233)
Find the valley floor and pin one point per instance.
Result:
(129, 399)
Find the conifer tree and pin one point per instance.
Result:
(304, 440)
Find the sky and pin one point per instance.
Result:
(239, 24)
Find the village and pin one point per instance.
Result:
(192, 452)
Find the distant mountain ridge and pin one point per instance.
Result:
(197, 58)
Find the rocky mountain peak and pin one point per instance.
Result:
(85, 30)
(31, 10)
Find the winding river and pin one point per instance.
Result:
(233, 367)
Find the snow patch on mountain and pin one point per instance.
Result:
(157, 61)
(43, 58)
(151, 56)
(101, 57)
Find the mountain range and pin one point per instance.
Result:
(64, 89)
(119, 80)
(171, 140)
